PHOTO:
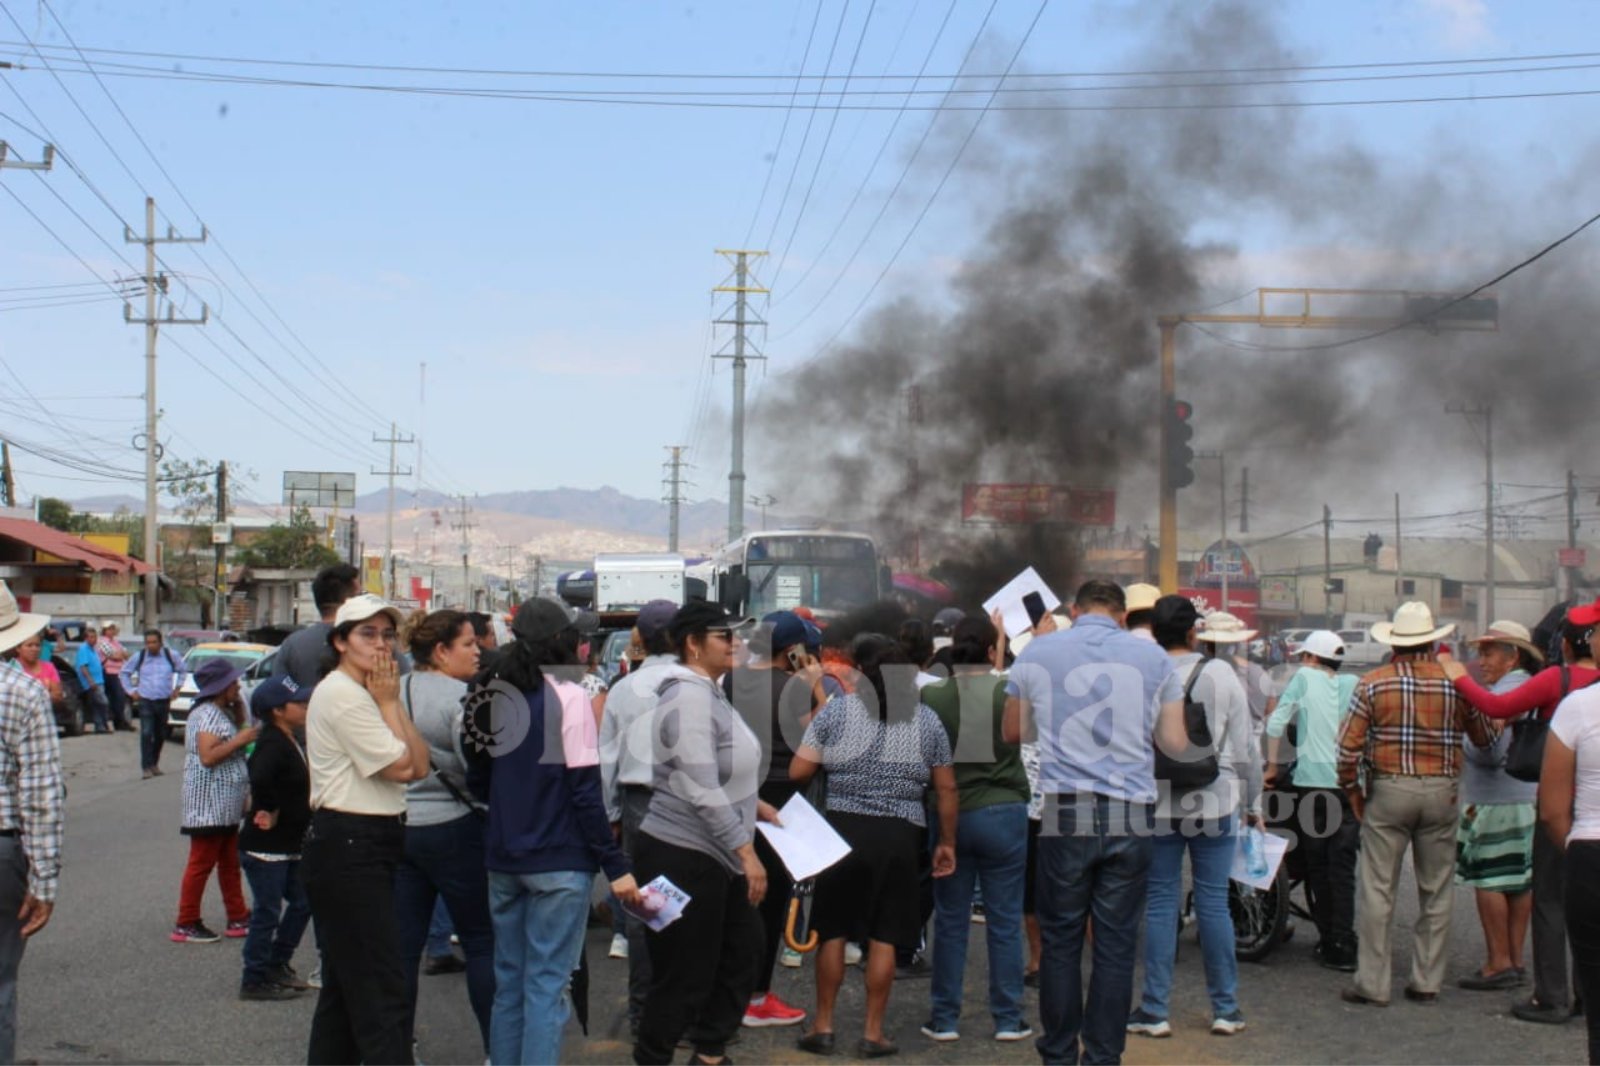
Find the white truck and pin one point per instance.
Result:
(626, 581)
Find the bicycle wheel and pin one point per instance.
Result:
(1259, 917)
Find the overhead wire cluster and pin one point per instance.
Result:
(291, 389)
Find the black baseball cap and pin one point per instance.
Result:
(542, 618)
(700, 616)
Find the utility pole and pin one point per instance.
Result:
(220, 597)
(763, 502)
(465, 525)
(8, 477)
(1487, 411)
(1399, 567)
(674, 498)
(391, 440)
(1572, 527)
(154, 285)
(511, 576)
(538, 573)
(1327, 565)
(1244, 500)
(1167, 533)
(743, 287)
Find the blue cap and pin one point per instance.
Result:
(813, 636)
(654, 617)
(275, 692)
(788, 629)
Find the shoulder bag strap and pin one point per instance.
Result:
(450, 786)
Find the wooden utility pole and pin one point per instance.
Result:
(8, 477)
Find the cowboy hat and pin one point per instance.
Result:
(1412, 625)
(16, 626)
(1141, 597)
(1512, 633)
(1223, 628)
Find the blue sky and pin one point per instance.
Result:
(551, 262)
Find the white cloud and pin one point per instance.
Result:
(1459, 23)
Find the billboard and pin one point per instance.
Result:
(1224, 557)
(1021, 504)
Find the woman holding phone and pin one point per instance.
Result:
(363, 750)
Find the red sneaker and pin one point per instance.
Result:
(237, 928)
(772, 1011)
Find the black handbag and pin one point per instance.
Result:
(1188, 772)
(1525, 755)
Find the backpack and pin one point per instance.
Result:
(138, 660)
(1188, 772)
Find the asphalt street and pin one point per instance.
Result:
(104, 984)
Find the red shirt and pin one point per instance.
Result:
(1542, 690)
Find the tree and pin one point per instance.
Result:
(57, 514)
(296, 546)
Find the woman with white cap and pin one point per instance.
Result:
(216, 783)
(1316, 700)
(363, 750)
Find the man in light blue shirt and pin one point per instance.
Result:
(1097, 698)
(92, 676)
(154, 676)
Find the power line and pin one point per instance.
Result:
(783, 132)
(805, 137)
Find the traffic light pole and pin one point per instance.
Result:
(1167, 558)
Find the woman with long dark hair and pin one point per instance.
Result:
(363, 751)
(547, 831)
(881, 748)
(444, 857)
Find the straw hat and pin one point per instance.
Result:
(1513, 633)
(1223, 628)
(1412, 625)
(1141, 597)
(15, 625)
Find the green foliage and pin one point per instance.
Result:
(58, 514)
(298, 545)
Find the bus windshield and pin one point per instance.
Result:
(825, 587)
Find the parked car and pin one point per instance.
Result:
(254, 659)
(182, 640)
(1361, 652)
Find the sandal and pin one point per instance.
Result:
(816, 1043)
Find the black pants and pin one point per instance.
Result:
(775, 905)
(1331, 837)
(702, 966)
(1550, 974)
(635, 805)
(1583, 928)
(349, 862)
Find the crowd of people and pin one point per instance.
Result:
(402, 771)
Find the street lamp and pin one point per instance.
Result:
(763, 502)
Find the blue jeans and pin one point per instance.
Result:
(440, 930)
(1094, 856)
(445, 863)
(539, 922)
(1210, 847)
(152, 731)
(992, 855)
(279, 914)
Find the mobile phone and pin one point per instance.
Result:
(797, 658)
(1034, 602)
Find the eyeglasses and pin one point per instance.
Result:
(374, 634)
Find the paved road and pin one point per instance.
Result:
(103, 983)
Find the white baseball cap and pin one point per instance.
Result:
(1324, 644)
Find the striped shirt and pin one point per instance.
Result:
(32, 789)
(1407, 720)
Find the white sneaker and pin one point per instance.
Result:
(940, 1036)
(1227, 1024)
(852, 954)
(1010, 1036)
(619, 947)
(790, 957)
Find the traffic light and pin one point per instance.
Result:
(1180, 456)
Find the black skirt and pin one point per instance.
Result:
(872, 893)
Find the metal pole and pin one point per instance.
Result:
(152, 552)
(1244, 500)
(218, 592)
(388, 521)
(1167, 564)
(1327, 565)
(1227, 556)
(1572, 534)
(1399, 569)
(1488, 514)
(736, 471)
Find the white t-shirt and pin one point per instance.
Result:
(347, 744)
(1577, 724)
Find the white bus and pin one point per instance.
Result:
(831, 573)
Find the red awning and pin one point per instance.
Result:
(41, 537)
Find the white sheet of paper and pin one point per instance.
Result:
(1009, 601)
(805, 841)
(1276, 848)
(662, 903)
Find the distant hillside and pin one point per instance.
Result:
(603, 508)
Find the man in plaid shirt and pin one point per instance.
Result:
(1403, 735)
(32, 794)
